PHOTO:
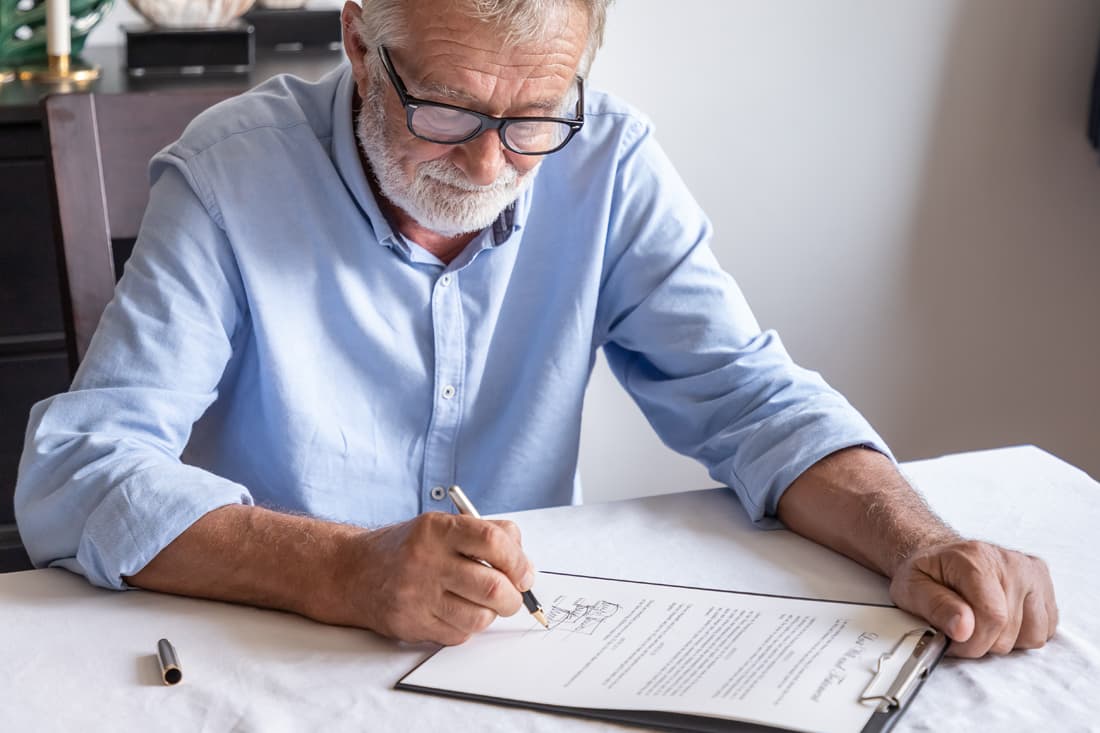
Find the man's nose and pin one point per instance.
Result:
(482, 159)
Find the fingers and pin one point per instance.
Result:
(484, 587)
(939, 605)
(457, 620)
(969, 572)
(497, 544)
(416, 581)
(428, 582)
(1040, 610)
(1034, 628)
(985, 598)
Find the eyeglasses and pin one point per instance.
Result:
(450, 125)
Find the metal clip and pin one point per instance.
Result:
(924, 655)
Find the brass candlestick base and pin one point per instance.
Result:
(59, 69)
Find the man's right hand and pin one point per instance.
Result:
(421, 580)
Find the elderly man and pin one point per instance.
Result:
(350, 294)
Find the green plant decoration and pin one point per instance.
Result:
(23, 28)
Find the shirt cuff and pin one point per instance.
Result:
(143, 514)
(781, 453)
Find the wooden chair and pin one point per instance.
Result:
(99, 148)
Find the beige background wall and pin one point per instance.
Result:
(903, 189)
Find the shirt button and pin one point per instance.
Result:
(445, 280)
(438, 493)
(448, 392)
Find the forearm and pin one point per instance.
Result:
(246, 554)
(856, 502)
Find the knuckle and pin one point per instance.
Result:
(494, 586)
(510, 527)
(973, 554)
(1041, 571)
(421, 529)
(991, 617)
(490, 535)
(435, 522)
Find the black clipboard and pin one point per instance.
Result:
(892, 702)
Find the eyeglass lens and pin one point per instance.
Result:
(446, 125)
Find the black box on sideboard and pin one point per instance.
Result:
(155, 51)
(295, 28)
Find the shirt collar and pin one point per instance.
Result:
(345, 152)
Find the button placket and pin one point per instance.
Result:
(450, 360)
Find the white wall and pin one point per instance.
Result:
(902, 189)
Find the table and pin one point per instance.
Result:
(76, 657)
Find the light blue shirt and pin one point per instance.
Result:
(300, 354)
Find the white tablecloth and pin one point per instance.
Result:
(74, 657)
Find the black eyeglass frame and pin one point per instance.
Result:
(487, 122)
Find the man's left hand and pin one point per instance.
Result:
(984, 597)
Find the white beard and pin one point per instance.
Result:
(439, 197)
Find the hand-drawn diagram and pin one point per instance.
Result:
(584, 617)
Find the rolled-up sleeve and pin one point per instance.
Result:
(680, 337)
(101, 487)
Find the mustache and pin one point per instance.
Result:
(449, 174)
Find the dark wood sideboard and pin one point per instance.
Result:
(33, 362)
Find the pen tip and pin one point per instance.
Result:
(541, 618)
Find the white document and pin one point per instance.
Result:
(790, 663)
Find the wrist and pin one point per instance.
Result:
(927, 540)
(339, 561)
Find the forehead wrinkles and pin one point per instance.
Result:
(482, 75)
(555, 56)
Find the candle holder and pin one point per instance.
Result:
(59, 69)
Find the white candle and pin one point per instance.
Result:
(57, 28)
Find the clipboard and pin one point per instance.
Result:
(891, 691)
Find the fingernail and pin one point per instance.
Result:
(528, 580)
(953, 626)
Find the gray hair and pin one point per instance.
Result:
(382, 22)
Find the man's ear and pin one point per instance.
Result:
(349, 24)
(354, 48)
